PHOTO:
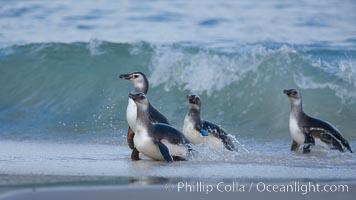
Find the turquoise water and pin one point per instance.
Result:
(60, 61)
(71, 91)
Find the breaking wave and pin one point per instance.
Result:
(51, 89)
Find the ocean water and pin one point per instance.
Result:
(62, 105)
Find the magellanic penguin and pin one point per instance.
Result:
(156, 140)
(140, 83)
(308, 131)
(200, 131)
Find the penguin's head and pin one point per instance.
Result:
(138, 79)
(194, 101)
(294, 95)
(140, 99)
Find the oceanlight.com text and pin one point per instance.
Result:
(222, 187)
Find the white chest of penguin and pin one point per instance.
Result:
(190, 132)
(131, 114)
(144, 143)
(295, 131)
(195, 137)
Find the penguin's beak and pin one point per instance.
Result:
(193, 99)
(287, 92)
(190, 98)
(126, 76)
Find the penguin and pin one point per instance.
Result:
(200, 131)
(158, 141)
(308, 131)
(140, 83)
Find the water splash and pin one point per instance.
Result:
(204, 70)
(342, 78)
(94, 47)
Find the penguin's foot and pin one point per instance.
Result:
(294, 146)
(178, 158)
(135, 155)
(308, 142)
(307, 148)
(130, 137)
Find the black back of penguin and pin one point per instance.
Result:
(316, 125)
(155, 116)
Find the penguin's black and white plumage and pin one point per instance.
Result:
(200, 131)
(309, 131)
(140, 83)
(156, 140)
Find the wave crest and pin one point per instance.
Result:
(202, 70)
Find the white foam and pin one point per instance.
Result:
(94, 47)
(347, 71)
(204, 71)
(342, 92)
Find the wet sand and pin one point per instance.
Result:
(158, 192)
(36, 170)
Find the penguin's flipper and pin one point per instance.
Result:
(308, 141)
(164, 151)
(326, 137)
(328, 128)
(338, 137)
(331, 141)
(294, 146)
(347, 145)
(220, 133)
(199, 127)
(130, 136)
